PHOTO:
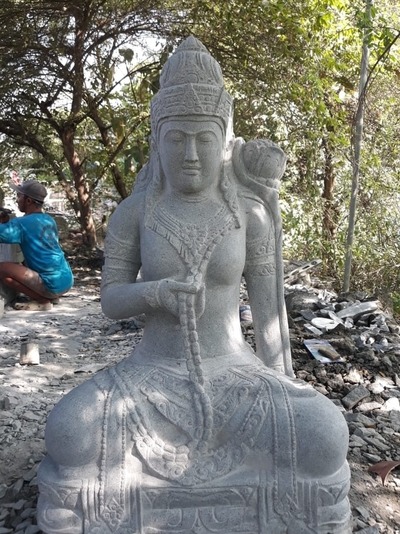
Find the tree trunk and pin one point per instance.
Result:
(358, 133)
(83, 195)
(67, 133)
(112, 152)
(329, 222)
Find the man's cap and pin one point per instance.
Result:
(31, 189)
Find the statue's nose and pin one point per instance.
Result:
(191, 149)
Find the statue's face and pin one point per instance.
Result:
(191, 153)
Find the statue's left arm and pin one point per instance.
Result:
(259, 166)
(263, 275)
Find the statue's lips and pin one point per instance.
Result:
(192, 171)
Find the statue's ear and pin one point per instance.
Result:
(151, 170)
(153, 143)
(261, 160)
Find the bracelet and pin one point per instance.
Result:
(152, 295)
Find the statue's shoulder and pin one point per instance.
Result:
(144, 178)
(127, 214)
(133, 205)
(258, 167)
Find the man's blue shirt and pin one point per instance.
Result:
(37, 235)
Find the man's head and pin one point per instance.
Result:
(30, 195)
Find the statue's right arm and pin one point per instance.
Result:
(121, 295)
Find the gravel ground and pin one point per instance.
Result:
(75, 340)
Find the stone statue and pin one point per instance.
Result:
(194, 433)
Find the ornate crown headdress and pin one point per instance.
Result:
(191, 83)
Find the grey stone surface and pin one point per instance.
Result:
(358, 309)
(194, 432)
(355, 396)
(76, 336)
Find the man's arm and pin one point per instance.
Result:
(10, 232)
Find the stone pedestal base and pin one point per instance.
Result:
(274, 461)
(321, 507)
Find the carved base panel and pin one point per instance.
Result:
(201, 511)
(320, 508)
(245, 483)
(242, 510)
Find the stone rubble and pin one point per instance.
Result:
(76, 340)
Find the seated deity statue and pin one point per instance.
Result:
(195, 432)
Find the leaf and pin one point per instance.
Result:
(383, 469)
(127, 54)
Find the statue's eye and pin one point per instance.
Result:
(175, 137)
(206, 137)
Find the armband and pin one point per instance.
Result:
(152, 294)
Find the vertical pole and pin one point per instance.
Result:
(358, 131)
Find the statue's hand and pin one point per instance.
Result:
(169, 291)
(165, 294)
(262, 159)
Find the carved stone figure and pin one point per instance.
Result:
(194, 433)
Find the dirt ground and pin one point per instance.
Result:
(75, 340)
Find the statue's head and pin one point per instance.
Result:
(191, 84)
(190, 118)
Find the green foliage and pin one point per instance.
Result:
(293, 68)
(65, 69)
(395, 298)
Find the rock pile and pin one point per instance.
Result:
(76, 340)
(364, 382)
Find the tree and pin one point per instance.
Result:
(292, 66)
(61, 64)
(358, 131)
(294, 69)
